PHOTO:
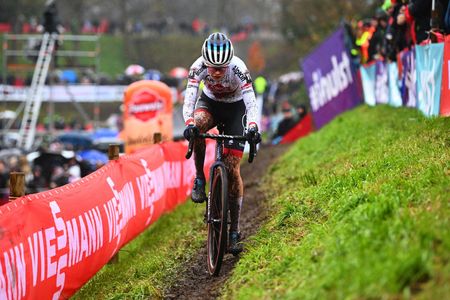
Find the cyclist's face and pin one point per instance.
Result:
(216, 73)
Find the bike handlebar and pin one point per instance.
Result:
(222, 137)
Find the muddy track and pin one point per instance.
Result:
(195, 282)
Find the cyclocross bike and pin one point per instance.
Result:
(217, 214)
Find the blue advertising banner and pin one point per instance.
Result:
(429, 76)
(330, 79)
(368, 83)
(395, 98)
(409, 78)
(381, 83)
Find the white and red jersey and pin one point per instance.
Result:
(235, 85)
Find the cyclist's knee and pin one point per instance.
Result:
(203, 120)
(232, 161)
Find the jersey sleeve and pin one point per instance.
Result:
(196, 74)
(248, 94)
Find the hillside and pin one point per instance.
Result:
(360, 210)
(357, 210)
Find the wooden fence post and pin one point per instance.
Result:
(113, 151)
(113, 154)
(16, 185)
(157, 138)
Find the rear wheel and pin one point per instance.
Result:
(218, 219)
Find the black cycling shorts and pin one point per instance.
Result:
(232, 115)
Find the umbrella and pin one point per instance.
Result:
(48, 161)
(153, 75)
(133, 70)
(93, 156)
(179, 72)
(104, 133)
(69, 76)
(78, 140)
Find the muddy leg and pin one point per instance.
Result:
(204, 121)
(235, 189)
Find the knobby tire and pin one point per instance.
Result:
(218, 227)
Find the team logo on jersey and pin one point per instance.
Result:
(145, 104)
(193, 72)
(242, 76)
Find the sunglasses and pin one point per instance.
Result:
(216, 69)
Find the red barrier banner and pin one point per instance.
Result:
(303, 128)
(51, 243)
(445, 88)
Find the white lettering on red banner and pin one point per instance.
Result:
(119, 210)
(13, 286)
(41, 254)
(151, 188)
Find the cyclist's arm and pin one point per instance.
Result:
(248, 95)
(196, 74)
(250, 104)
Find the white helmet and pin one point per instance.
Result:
(217, 50)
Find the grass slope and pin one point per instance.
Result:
(360, 211)
(150, 262)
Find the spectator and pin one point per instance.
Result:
(364, 34)
(37, 183)
(51, 20)
(59, 177)
(301, 112)
(25, 167)
(376, 50)
(287, 123)
(420, 12)
(51, 23)
(398, 33)
(74, 170)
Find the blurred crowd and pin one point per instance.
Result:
(44, 169)
(166, 25)
(398, 25)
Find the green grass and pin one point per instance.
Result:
(360, 211)
(152, 260)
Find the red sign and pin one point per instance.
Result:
(445, 88)
(148, 109)
(144, 104)
(303, 128)
(51, 243)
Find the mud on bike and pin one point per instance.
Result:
(217, 214)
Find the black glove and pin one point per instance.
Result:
(253, 136)
(190, 132)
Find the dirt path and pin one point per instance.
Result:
(195, 282)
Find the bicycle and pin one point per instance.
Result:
(217, 203)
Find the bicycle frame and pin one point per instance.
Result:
(215, 258)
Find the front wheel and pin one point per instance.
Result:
(218, 219)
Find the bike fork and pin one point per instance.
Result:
(208, 209)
